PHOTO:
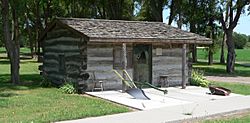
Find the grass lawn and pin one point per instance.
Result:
(242, 118)
(220, 69)
(238, 88)
(235, 118)
(31, 103)
(242, 55)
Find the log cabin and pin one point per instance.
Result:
(87, 50)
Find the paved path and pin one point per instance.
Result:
(201, 105)
(181, 113)
(237, 79)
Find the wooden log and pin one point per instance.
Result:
(62, 40)
(124, 65)
(184, 62)
(60, 32)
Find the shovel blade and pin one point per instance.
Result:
(137, 93)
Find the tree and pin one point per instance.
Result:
(240, 40)
(177, 8)
(151, 10)
(11, 46)
(228, 29)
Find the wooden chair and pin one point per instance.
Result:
(97, 84)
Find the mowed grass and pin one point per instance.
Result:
(29, 102)
(242, 55)
(245, 118)
(218, 69)
(237, 88)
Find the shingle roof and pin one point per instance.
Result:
(127, 30)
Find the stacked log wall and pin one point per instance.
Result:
(61, 41)
(101, 62)
(168, 63)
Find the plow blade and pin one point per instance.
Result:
(137, 93)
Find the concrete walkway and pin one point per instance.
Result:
(200, 105)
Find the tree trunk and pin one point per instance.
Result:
(210, 56)
(193, 47)
(16, 58)
(39, 28)
(29, 32)
(231, 52)
(172, 12)
(12, 47)
(211, 47)
(194, 53)
(222, 57)
(47, 12)
(180, 21)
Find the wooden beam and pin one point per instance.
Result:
(184, 62)
(124, 64)
(150, 40)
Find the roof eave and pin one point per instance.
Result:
(149, 40)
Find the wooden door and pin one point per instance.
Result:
(142, 61)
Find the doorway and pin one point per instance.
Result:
(142, 61)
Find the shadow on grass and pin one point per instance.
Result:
(5, 62)
(28, 81)
(28, 60)
(218, 69)
(8, 94)
(21, 58)
(3, 103)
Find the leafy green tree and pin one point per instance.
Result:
(240, 40)
(151, 10)
(12, 46)
(234, 9)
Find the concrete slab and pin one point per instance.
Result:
(175, 96)
(194, 102)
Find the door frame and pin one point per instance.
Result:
(150, 60)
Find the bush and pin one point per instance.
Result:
(198, 79)
(68, 88)
(45, 82)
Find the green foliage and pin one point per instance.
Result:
(240, 40)
(68, 88)
(45, 82)
(198, 79)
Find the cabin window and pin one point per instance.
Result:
(117, 56)
(62, 68)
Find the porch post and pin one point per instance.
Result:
(124, 64)
(184, 62)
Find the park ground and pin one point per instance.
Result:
(29, 102)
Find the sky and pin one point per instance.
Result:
(242, 27)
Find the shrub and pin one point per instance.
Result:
(45, 82)
(68, 88)
(198, 79)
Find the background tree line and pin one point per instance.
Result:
(23, 21)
